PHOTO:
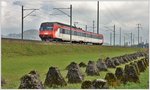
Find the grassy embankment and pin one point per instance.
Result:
(18, 58)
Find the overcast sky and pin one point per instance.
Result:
(124, 14)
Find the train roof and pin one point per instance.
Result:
(72, 27)
(62, 24)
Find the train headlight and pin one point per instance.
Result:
(46, 33)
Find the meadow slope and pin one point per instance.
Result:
(19, 58)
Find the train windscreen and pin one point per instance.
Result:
(46, 26)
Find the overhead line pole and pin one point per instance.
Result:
(131, 38)
(71, 23)
(124, 40)
(114, 35)
(120, 36)
(93, 25)
(22, 18)
(22, 23)
(85, 27)
(138, 33)
(97, 17)
(110, 39)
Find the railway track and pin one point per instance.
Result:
(25, 40)
(38, 41)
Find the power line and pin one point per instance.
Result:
(119, 15)
(114, 16)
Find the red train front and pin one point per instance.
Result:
(47, 31)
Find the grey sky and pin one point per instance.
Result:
(124, 14)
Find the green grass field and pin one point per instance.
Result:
(19, 58)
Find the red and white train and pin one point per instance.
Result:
(61, 32)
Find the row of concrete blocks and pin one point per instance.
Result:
(55, 79)
(130, 73)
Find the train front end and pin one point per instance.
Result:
(46, 31)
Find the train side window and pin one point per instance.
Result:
(83, 34)
(69, 32)
(63, 31)
(60, 30)
(92, 36)
(66, 31)
(101, 37)
(97, 37)
(75, 33)
(79, 33)
(72, 32)
(88, 35)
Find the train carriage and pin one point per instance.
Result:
(61, 32)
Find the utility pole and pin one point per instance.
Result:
(141, 39)
(138, 32)
(23, 17)
(120, 36)
(97, 17)
(85, 27)
(124, 40)
(131, 38)
(93, 25)
(114, 35)
(110, 39)
(71, 23)
(22, 24)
